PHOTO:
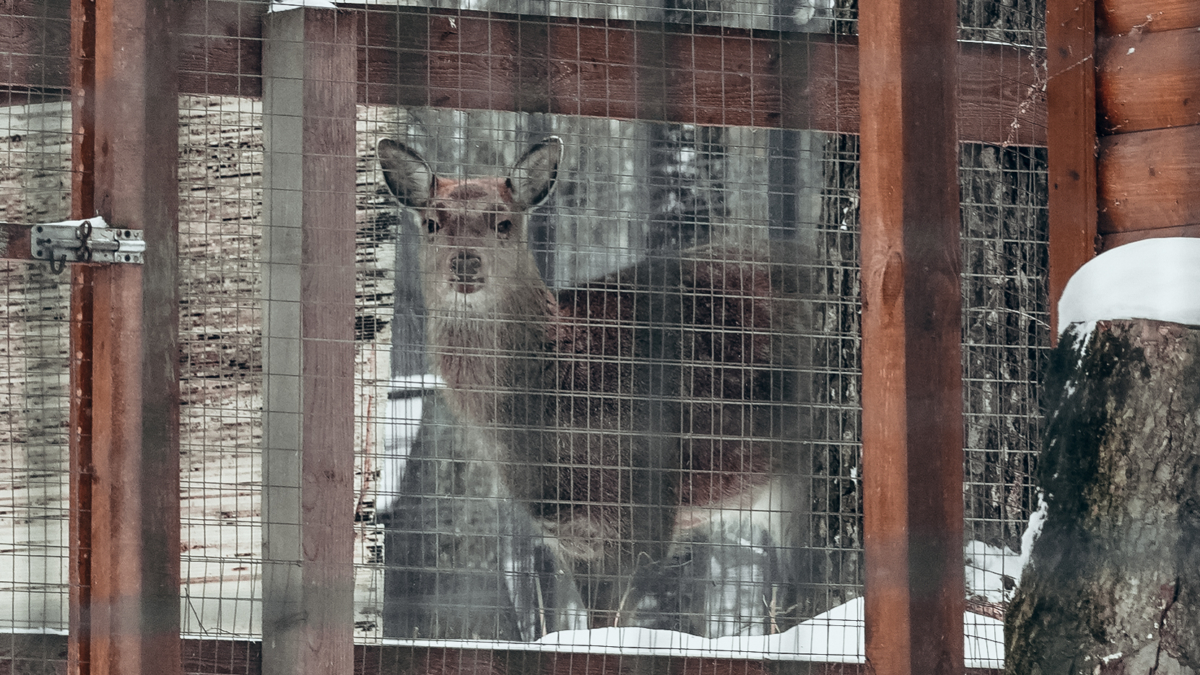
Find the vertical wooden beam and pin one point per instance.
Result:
(912, 391)
(134, 609)
(309, 76)
(1071, 140)
(83, 159)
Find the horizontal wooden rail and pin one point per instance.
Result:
(35, 51)
(1148, 81)
(1147, 180)
(243, 657)
(1110, 241)
(14, 241)
(595, 67)
(1118, 17)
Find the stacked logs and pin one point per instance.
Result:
(1148, 119)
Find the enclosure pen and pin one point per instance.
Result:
(706, 422)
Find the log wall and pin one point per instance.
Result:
(1148, 114)
(1133, 68)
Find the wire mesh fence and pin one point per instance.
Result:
(35, 179)
(465, 531)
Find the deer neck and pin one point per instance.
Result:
(492, 356)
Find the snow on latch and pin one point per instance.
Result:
(1156, 279)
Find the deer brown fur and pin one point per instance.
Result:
(619, 411)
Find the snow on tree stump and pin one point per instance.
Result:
(1113, 584)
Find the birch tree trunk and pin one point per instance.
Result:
(1113, 584)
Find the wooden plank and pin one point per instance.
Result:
(1116, 239)
(701, 74)
(1071, 138)
(220, 47)
(595, 67)
(243, 657)
(35, 41)
(605, 86)
(14, 241)
(531, 81)
(1118, 17)
(134, 610)
(83, 205)
(378, 660)
(1149, 81)
(1148, 180)
(79, 660)
(911, 338)
(222, 657)
(308, 346)
(1000, 99)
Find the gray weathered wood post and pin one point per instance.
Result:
(309, 80)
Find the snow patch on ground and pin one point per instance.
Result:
(992, 573)
(1155, 279)
(1037, 520)
(284, 5)
(833, 637)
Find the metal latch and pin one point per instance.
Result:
(90, 240)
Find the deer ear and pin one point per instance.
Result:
(407, 175)
(532, 179)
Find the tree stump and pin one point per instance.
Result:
(1113, 585)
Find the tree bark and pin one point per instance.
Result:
(1113, 584)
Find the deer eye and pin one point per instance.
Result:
(503, 226)
(432, 225)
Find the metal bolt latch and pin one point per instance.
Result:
(90, 240)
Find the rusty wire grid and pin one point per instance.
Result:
(441, 551)
(35, 179)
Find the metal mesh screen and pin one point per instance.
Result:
(35, 179)
(461, 552)
(444, 554)
(220, 232)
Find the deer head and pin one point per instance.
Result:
(474, 232)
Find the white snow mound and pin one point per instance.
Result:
(1156, 279)
(284, 5)
(836, 636)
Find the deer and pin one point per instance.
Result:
(623, 411)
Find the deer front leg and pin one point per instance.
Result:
(614, 545)
(610, 584)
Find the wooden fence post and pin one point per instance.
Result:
(309, 88)
(1071, 140)
(912, 389)
(83, 205)
(132, 612)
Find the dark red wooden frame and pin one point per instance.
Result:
(489, 60)
(695, 75)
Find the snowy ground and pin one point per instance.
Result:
(833, 637)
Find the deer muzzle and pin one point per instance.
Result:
(464, 271)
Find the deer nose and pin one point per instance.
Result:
(466, 265)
